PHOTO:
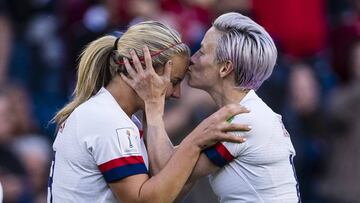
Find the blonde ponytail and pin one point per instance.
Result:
(93, 73)
(101, 60)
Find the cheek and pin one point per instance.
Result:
(204, 63)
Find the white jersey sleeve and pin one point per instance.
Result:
(1, 193)
(224, 152)
(118, 154)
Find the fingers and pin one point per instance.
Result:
(137, 64)
(167, 70)
(229, 111)
(127, 80)
(148, 60)
(225, 127)
(226, 137)
(129, 68)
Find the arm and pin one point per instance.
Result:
(202, 168)
(162, 187)
(169, 181)
(160, 148)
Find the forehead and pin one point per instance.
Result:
(180, 64)
(211, 38)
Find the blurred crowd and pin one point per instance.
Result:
(315, 85)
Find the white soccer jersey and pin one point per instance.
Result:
(1, 193)
(260, 170)
(98, 144)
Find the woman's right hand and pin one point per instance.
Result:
(150, 86)
(214, 129)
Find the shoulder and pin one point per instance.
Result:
(259, 112)
(261, 118)
(99, 112)
(96, 119)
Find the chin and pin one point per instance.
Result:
(190, 83)
(193, 85)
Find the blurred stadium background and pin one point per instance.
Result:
(315, 85)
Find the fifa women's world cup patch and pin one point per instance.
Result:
(129, 141)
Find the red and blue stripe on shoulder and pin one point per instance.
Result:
(123, 167)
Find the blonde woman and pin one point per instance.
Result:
(100, 155)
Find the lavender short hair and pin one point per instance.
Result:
(248, 46)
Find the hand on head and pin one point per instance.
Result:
(152, 87)
(144, 80)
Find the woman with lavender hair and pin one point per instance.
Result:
(236, 56)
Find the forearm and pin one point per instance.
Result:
(202, 168)
(167, 184)
(185, 190)
(160, 149)
(159, 146)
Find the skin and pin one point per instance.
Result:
(161, 187)
(178, 72)
(217, 79)
(203, 74)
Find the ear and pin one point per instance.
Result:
(226, 68)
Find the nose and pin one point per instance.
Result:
(193, 58)
(177, 92)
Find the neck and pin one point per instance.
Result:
(124, 95)
(227, 94)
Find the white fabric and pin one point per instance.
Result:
(1, 193)
(261, 170)
(96, 133)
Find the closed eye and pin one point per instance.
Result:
(175, 81)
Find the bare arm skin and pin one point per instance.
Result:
(151, 88)
(161, 187)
